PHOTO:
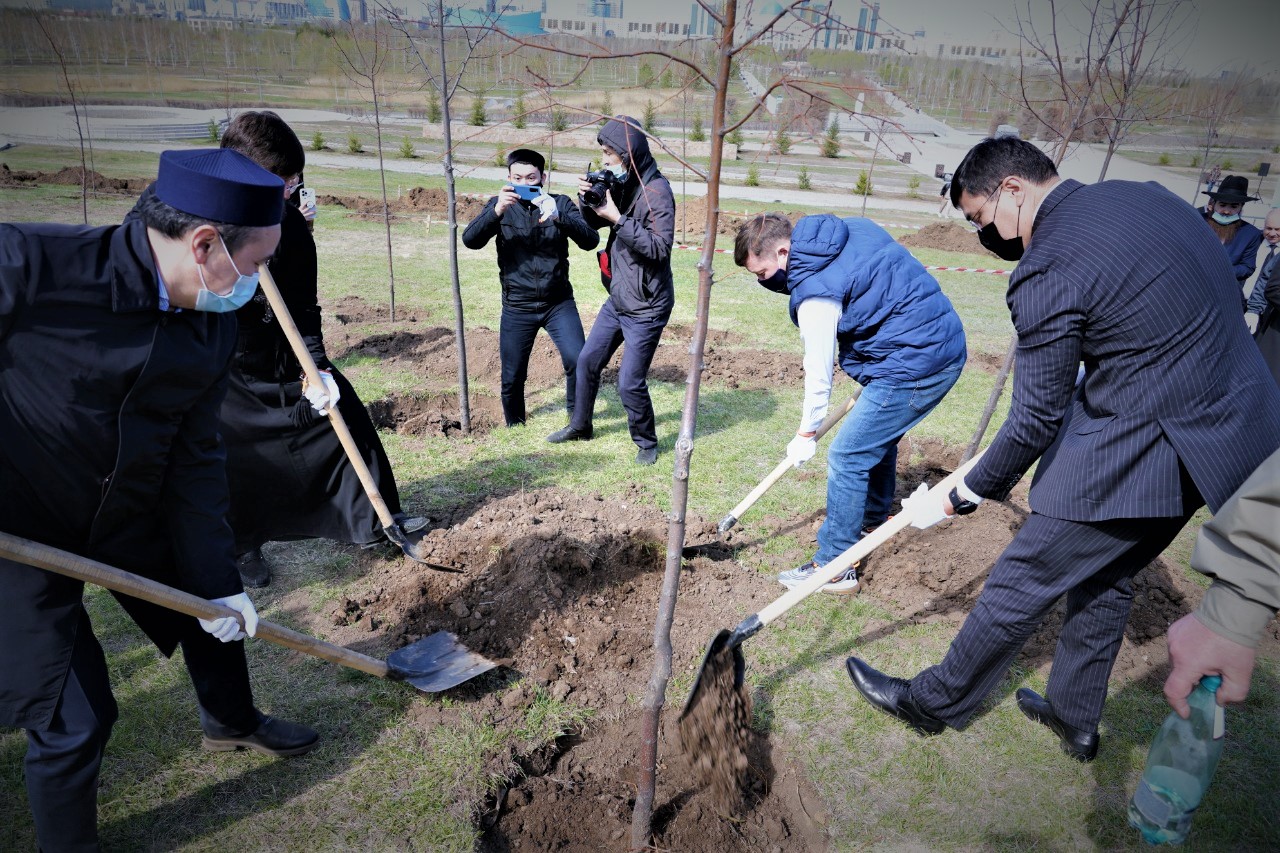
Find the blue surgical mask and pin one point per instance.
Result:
(241, 292)
(1223, 219)
(619, 171)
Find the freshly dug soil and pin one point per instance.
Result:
(715, 732)
(946, 236)
(72, 176)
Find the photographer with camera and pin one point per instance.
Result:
(631, 197)
(533, 231)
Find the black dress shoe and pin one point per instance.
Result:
(647, 456)
(255, 573)
(570, 434)
(893, 696)
(1080, 745)
(272, 737)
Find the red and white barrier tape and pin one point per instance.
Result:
(940, 269)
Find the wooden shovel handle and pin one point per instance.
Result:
(100, 574)
(785, 465)
(860, 549)
(313, 378)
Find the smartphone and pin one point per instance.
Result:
(527, 193)
(307, 197)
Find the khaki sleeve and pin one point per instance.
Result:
(1240, 549)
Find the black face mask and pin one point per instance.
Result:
(989, 237)
(1003, 247)
(776, 282)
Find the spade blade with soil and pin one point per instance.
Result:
(431, 664)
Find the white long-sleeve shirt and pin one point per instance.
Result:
(819, 316)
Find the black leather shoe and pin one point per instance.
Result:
(1080, 745)
(647, 456)
(570, 434)
(893, 696)
(255, 573)
(272, 737)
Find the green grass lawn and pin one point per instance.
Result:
(386, 778)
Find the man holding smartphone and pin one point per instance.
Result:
(533, 229)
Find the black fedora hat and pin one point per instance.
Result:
(1234, 189)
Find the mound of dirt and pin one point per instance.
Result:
(418, 200)
(946, 236)
(434, 414)
(72, 176)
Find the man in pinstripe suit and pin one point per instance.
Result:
(1176, 409)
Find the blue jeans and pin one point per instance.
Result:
(862, 459)
(516, 334)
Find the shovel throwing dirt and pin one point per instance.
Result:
(725, 648)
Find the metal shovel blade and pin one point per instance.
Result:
(721, 642)
(436, 663)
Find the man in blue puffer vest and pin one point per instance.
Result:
(852, 287)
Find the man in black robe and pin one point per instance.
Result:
(290, 477)
(114, 349)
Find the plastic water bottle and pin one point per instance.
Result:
(1179, 767)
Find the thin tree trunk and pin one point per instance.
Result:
(459, 329)
(646, 782)
(382, 174)
(871, 170)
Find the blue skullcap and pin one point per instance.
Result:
(221, 185)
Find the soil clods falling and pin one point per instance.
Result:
(715, 732)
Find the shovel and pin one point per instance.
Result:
(831, 420)
(749, 627)
(432, 664)
(408, 543)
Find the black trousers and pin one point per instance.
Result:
(609, 332)
(516, 334)
(63, 760)
(1092, 563)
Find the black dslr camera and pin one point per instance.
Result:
(601, 182)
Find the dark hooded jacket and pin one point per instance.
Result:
(639, 246)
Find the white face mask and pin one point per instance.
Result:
(241, 292)
(1224, 219)
(619, 171)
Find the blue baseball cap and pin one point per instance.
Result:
(220, 185)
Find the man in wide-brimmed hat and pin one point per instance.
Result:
(1239, 238)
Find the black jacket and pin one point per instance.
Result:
(533, 257)
(640, 243)
(109, 417)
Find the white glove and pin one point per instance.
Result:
(547, 207)
(801, 449)
(226, 628)
(322, 398)
(926, 508)
(1251, 320)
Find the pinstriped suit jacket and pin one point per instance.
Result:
(1125, 277)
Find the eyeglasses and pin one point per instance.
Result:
(972, 222)
(291, 185)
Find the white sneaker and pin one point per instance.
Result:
(846, 584)
(792, 578)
